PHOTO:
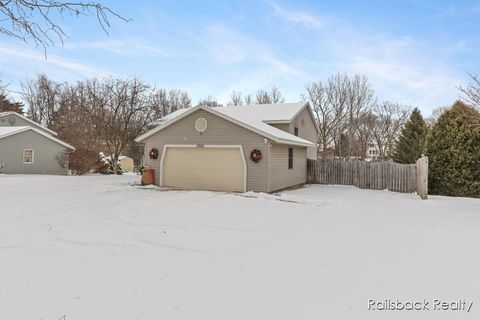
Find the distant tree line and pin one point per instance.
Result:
(106, 115)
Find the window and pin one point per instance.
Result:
(27, 156)
(290, 158)
(295, 131)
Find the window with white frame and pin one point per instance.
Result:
(28, 156)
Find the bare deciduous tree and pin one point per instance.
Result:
(472, 95)
(364, 136)
(42, 97)
(389, 119)
(164, 102)
(472, 91)
(119, 110)
(36, 20)
(236, 99)
(360, 100)
(248, 100)
(209, 101)
(265, 97)
(276, 96)
(328, 102)
(436, 113)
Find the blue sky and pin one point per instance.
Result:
(414, 52)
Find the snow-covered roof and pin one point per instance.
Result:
(253, 117)
(9, 131)
(8, 113)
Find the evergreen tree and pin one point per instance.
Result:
(7, 105)
(410, 145)
(453, 148)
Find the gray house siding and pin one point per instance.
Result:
(280, 176)
(219, 132)
(20, 122)
(45, 154)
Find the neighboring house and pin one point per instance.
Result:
(126, 163)
(13, 119)
(373, 152)
(261, 148)
(28, 148)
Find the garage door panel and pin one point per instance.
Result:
(204, 168)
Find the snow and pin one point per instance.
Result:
(104, 247)
(256, 117)
(272, 112)
(8, 131)
(8, 113)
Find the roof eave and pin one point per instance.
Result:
(48, 136)
(224, 116)
(164, 125)
(30, 121)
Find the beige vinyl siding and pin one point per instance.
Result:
(219, 132)
(306, 131)
(280, 176)
(282, 126)
(45, 154)
(127, 164)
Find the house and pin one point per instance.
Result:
(373, 152)
(28, 148)
(261, 148)
(126, 163)
(10, 119)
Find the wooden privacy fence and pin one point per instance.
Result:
(371, 175)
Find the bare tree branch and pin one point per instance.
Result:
(35, 20)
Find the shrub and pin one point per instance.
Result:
(453, 148)
(82, 161)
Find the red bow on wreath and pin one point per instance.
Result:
(255, 155)
(153, 153)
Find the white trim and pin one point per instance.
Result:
(218, 146)
(223, 116)
(277, 121)
(33, 156)
(166, 124)
(310, 111)
(2, 114)
(46, 135)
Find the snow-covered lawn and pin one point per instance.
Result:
(103, 247)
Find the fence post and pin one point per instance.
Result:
(422, 177)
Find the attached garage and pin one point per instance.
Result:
(234, 149)
(204, 167)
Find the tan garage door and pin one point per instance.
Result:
(207, 168)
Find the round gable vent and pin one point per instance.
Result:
(201, 125)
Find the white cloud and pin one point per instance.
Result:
(245, 64)
(404, 70)
(32, 61)
(126, 47)
(297, 17)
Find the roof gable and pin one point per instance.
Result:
(235, 115)
(37, 125)
(10, 131)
